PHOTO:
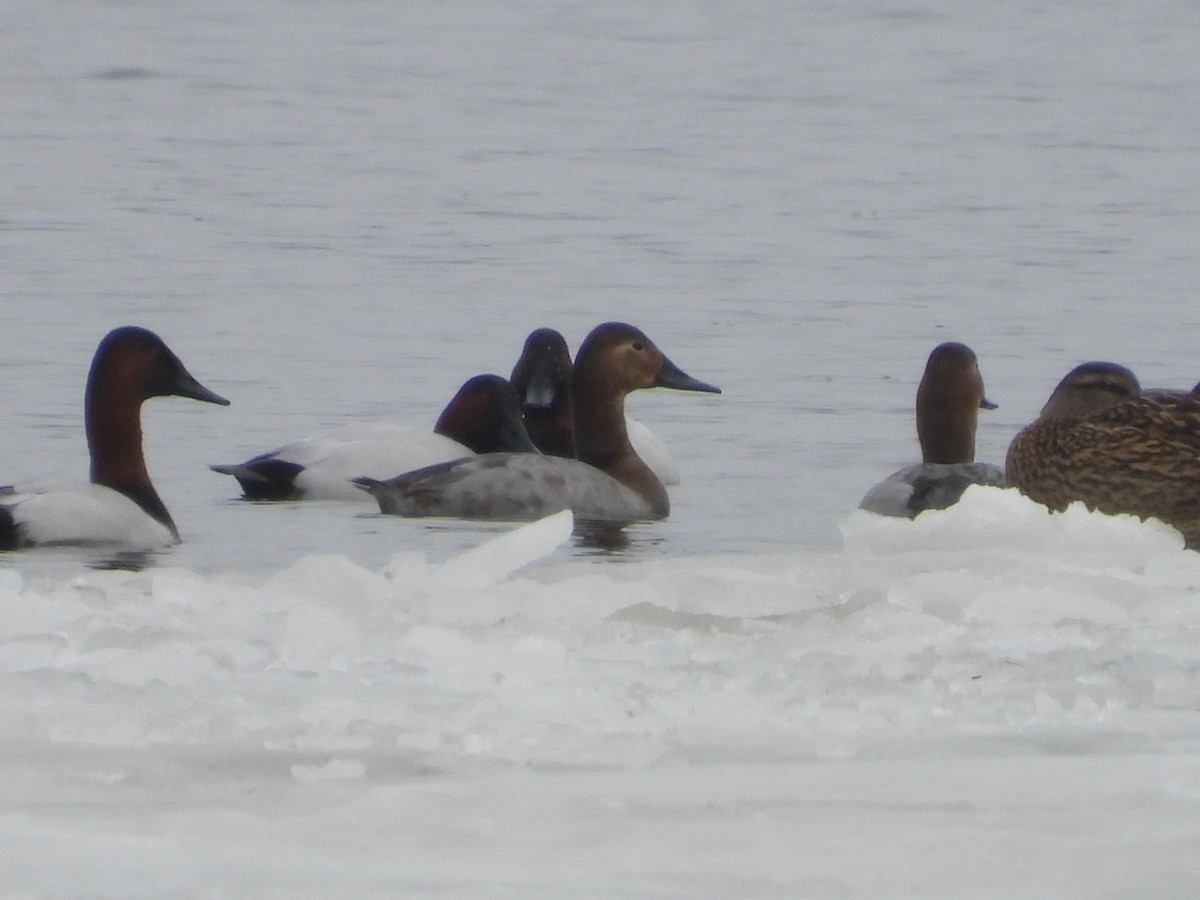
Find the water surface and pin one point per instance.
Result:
(346, 209)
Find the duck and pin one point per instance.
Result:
(542, 378)
(607, 483)
(484, 416)
(119, 505)
(1101, 440)
(949, 398)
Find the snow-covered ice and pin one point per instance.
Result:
(987, 701)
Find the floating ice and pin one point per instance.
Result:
(991, 640)
(494, 560)
(993, 619)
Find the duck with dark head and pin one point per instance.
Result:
(542, 379)
(120, 505)
(608, 482)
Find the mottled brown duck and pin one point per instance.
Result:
(1100, 439)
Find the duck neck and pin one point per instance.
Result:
(113, 421)
(946, 427)
(552, 429)
(602, 441)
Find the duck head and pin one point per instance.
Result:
(485, 415)
(1089, 388)
(542, 375)
(542, 379)
(622, 359)
(613, 360)
(137, 363)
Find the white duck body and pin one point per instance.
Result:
(327, 462)
(484, 416)
(81, 514)
(653, 451)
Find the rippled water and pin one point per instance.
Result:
(335, 210)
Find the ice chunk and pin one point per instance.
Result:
(499, 557)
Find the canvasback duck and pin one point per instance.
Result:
(607, 483)
(542, 378)
(948, 402)
(120, 506)
(484, 416)
(1101, 440)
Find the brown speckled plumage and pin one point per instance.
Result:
(1103, 441)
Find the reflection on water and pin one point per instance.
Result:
(125, 561)
(601, 536)
(59, 558)
(619, 542)
(589, 538)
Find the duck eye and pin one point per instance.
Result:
(638, 345)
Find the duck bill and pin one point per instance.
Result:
(540, 393)
(187, 386)
(985, 403)
(671, 376)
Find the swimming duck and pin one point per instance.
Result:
(607, 483)
(120, 506)
(484, 416)
(1102, 440)
(542, 378)
(948, 402)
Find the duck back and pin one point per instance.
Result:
(509, 487)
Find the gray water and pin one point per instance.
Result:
(340, 210)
